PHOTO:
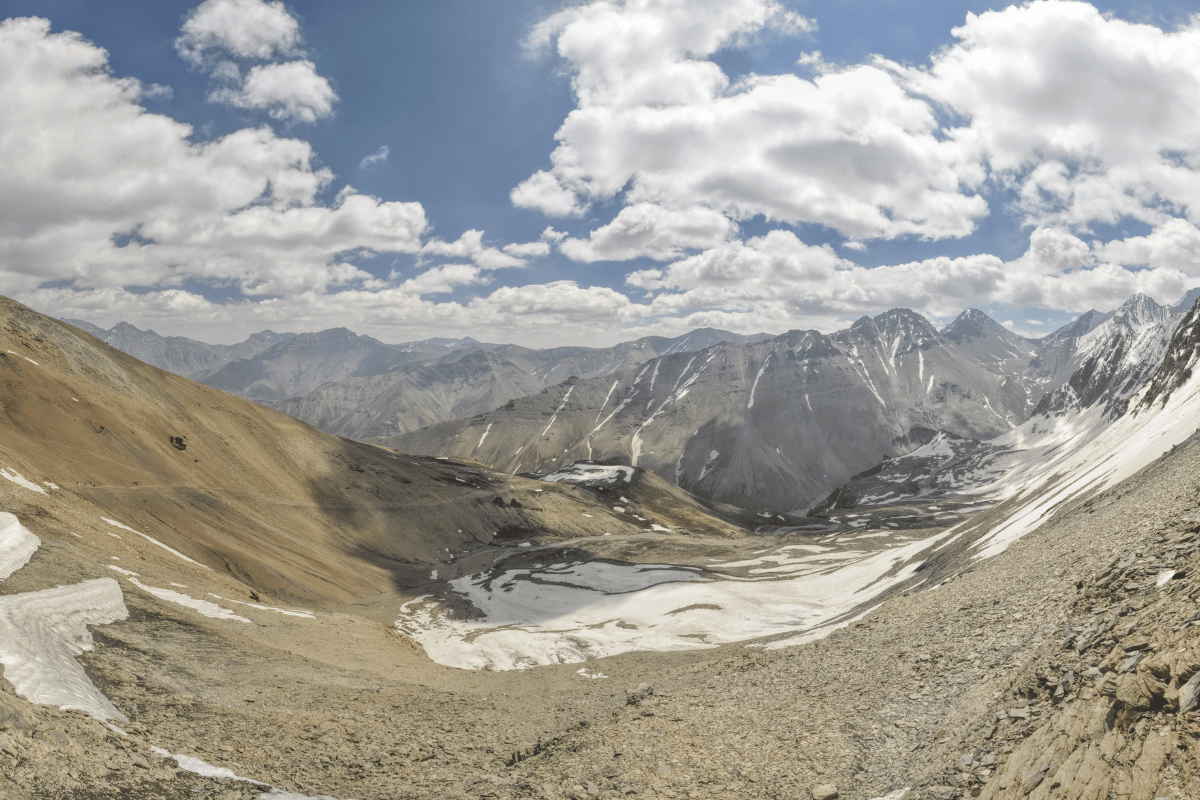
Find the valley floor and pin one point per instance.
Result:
(949, 690)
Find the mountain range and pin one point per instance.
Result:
(780, 423)
(360, 387)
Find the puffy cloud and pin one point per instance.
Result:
(779, 277)
(470, 245)
(1174, 244)
(756, 269)
(255, 30)
(555, 304)
(545, 193)
(258, 29)
(440, 280)
(1090, 117)
(380, 156)
(650, 230)
(527, 249)
(290, 91)
(103, 193)
(851, 149)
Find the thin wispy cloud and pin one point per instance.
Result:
(376, 159)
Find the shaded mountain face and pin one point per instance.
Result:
(773, 424)
(186, 357)
(412, 396)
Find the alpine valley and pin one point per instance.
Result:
(888, 562)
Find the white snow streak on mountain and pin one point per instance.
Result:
(151, 539)
(1100, 461)
(17, 478)
(757, 378)
(486, 431)
(561, 406)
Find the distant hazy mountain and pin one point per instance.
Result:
(304, 362)
(360, 387)
(412, 396)
(186, 357)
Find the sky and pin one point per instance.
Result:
(552, 173)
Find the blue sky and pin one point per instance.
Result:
(548, 173)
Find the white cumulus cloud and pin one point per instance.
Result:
(289, 91)
(258, 29)
(650, 230)
(658, 121)
(1090, 117)
(143, 204)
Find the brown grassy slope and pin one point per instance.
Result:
(293, 512)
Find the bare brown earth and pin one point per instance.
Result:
(340, 705)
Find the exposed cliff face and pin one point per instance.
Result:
(1177, 364)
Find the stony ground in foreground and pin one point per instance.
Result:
(1052, 671)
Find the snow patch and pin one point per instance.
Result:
(152, 540)
(590, 474)
(178, 598)
(574, 611)
(291, 612)
(42, 632)
(16, 478)
(17, 545)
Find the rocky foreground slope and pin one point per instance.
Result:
(1061, 666)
